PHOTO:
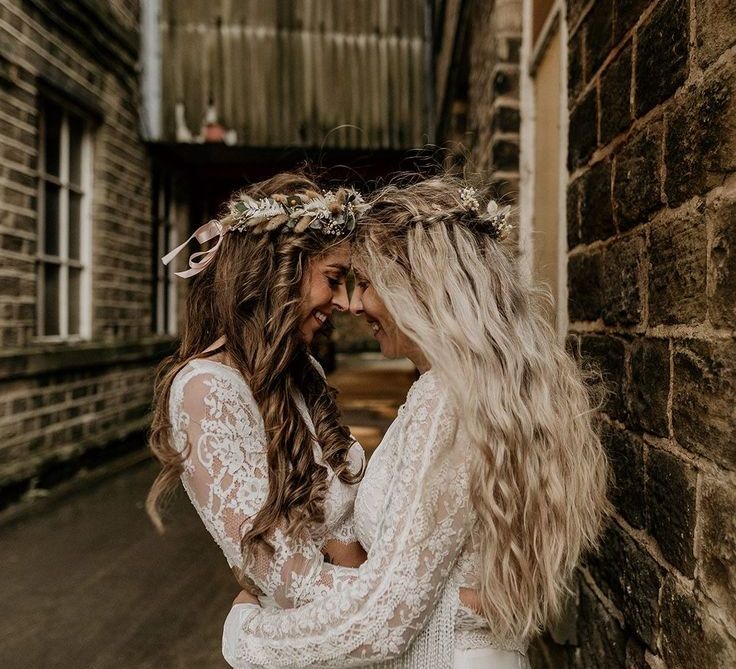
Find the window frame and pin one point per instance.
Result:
(85, 192)
(166, 236)
(532, 53)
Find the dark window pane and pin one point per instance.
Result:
(75, 286)
(75, 222)
(76, 131)
(51, 219)
(51, 299)
(167, 302)
(52, 139)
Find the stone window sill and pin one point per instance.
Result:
(52, 358)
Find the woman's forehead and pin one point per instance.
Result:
(336, 258)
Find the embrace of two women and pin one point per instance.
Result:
(456, 544)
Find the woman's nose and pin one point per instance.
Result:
(340, 300)
(356, 303)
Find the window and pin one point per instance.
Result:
(63, 224)
(165, 234)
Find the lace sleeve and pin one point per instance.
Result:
(226, 477)
(376, 616)
(345, 531)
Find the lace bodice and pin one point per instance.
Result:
(415, 518)
(212, 410)
(471, 628)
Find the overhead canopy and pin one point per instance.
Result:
(292, 72)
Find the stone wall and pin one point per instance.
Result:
(477, 50)
(60, 400)
(493, 95)
(652, 280)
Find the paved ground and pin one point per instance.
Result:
(88, 584)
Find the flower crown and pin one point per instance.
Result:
(493, 220)
(329, 213)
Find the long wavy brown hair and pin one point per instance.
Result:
(250, 294)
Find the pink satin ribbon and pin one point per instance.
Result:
(203, 234)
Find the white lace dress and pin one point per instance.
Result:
(401, 608)
(226, 477)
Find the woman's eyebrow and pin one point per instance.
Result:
(343, 269)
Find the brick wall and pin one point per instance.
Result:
(477, 66)
(493, 96)
(58, 401)
(652, 279)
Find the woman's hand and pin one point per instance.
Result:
(345, 555)
(470, 598)
(246, 598)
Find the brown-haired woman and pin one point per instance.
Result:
(243, 414)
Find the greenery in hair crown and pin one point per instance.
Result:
(330, 213)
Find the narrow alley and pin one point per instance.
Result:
(89, 584)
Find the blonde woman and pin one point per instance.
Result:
(476, 506)
(243, 414)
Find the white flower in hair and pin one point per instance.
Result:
(469, 199)
(494, 215)
(498, 218)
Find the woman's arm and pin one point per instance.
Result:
(376, 616)
(226, 477)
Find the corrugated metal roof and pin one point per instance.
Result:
(288, 72)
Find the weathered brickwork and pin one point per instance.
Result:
(652, 305)
(55, 417)
(493, 91)
(51, 410)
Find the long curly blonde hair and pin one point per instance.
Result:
(250, 294)
(538, 471)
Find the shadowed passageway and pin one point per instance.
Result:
(88, 583)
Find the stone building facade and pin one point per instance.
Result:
(645, 190)
(119, 136)
(476, 52)
(651, 221)
(78, 342)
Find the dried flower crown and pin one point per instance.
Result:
(494, 220)
(329, 213)
(333, 214)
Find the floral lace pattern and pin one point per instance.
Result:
(408, 586)
(214, 415)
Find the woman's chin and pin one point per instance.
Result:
(386, 351)
(307, 336)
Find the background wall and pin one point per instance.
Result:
(652, 280)
(61, 402)
(651, 275)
